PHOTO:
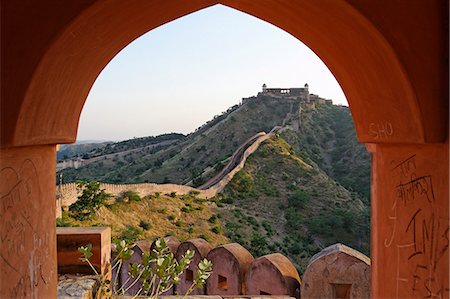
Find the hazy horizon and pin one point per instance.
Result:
(178, 76)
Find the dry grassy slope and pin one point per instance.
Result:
(164, 215)
(262, 217)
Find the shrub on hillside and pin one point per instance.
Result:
(194, 193)
(242, 182)
(130, 196)
(299, 199)
(145, 225)
(258, 245)
(130, 234)
(268, 228)
(293, 218)
(91, 198)
(204, 237)
(186, 210)
(62, 222)
(213, 219)
(216, 230)
(228, 200)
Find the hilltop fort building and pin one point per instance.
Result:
(300, 93)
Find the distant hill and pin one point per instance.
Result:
(68, 151)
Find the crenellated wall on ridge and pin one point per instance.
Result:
(69, 193)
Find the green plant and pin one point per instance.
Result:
(145, 225)
(158, 272)
(91, 198)
(204, 237)
(216, 230)
(268, 228)
(185, 210)
(130, 195)
(130, 234)
(299, 199)
(212, 219)
(179, 223)
(61, 222)
(173, 194)
(194, 193)
(242, 182)
(228, 200)
(258, 245)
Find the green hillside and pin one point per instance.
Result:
(68, 151)
(327, 137)
(279, 202)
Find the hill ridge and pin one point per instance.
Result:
(68, 193)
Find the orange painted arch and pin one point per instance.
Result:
(395, 78)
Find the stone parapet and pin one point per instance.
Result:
(230, 263)
(272, 274)
(201, 249)
(337, 271)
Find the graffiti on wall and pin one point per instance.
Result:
(419, 235)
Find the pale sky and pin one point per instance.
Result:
(178, 76)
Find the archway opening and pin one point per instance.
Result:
(202, 154)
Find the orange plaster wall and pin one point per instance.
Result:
(419, 33)
(25, 38)
(410, 221)
(374, 63)
(27, 223)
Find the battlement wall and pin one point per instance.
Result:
(69, 193)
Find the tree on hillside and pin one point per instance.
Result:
(91, 198)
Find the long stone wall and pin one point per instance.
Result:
(69, 192)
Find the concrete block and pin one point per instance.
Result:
(272, 274)
(69, 239)
(337, 271)
(201, 249)
(230, 263)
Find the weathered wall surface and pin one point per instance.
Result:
(230, 264)
(272, 274)
(201, 249)
(27, 236)
(410, 222)
(337, 271)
